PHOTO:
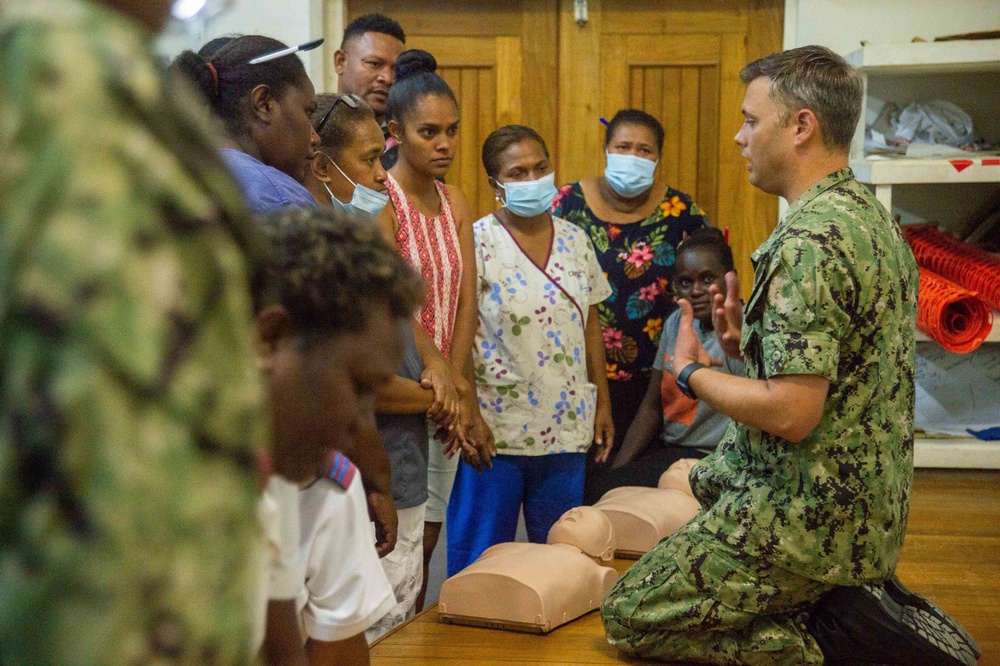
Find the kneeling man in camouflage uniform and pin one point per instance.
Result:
(810, 487)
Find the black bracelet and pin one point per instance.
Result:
(682, 379)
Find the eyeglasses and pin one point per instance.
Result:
(349, 100)
(281, 53)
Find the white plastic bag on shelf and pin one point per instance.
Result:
(937, 121)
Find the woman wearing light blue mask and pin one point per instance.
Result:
(635, 222)
(538, 356)
(346, 172)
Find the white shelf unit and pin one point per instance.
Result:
(955, 453)
(968, 74)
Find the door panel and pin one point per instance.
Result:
(682, 91)
(480, 50)
(528, 61)
(678, 60)
(486, 80)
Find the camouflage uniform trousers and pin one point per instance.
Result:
(694, 598)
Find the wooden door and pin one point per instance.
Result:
(678, 60)
(499, 59)
(528, 61)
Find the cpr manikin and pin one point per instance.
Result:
(536, 587)
(641, 517)
(677, 476)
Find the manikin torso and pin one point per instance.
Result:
(536, 587)
(641, 517)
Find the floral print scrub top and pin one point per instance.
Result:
(638, 260)
(530, 354)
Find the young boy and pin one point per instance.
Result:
(331, 315)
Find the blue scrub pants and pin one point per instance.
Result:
(484, 507)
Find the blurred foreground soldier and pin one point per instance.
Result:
(129, 406)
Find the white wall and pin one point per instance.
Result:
(841, 25)
(290, 21)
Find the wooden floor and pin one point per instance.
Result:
(951, 555)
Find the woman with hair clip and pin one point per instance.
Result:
(259, 90)
(539, 358)
(264, 104)
(432, 228)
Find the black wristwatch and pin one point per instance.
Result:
(682, 379)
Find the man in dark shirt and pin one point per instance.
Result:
(366, 67)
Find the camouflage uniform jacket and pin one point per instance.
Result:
(129, 404)
(835, 295)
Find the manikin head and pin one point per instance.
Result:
(676, 476)
(586, 529)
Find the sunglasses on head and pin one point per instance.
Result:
(349, 100)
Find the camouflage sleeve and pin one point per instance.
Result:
(804, 314)
(129, 405)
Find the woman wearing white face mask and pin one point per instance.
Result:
(635, 223)
(345, 171)
(538, 356)
(348, 175)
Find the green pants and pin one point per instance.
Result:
(695, 599)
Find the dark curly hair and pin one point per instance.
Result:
(711, 239)
(328, 269)
(373, 23)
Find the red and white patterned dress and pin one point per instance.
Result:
(430, 245)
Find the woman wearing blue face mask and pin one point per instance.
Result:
(345, 171)
(538, 356)
(635, 223)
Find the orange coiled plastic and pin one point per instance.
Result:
(959, 262)
(955, 317)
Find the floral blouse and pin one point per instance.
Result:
(638, 260)
(530, 354)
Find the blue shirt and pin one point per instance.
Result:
(265, 188)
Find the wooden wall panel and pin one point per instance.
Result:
(540, 72)
(484, 200)
(499, 59)
(446, 17)
(678, 59)
(670, 117)
(691, 161)
(708, 140)
(746, 230)
(581, 134)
